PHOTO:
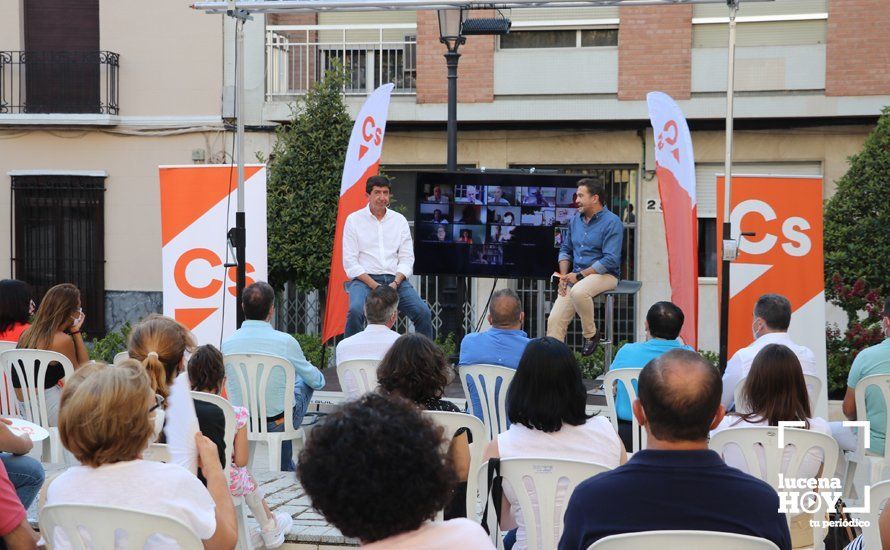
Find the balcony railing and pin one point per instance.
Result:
(298, 55)
(84, 82)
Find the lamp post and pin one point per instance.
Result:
(450, 22)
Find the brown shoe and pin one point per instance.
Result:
(590, 345)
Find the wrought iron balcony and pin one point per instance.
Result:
(84, 82)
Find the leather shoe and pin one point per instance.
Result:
(590, 345)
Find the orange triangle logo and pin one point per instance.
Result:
(361, 151)
(194, 316)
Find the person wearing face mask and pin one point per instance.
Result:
(772, 317)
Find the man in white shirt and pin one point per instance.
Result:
(772, 316)
(381, 311)
(378, 250)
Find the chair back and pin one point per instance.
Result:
(490, 383)
(871, 531)
(626, 378)
(451, 422)
(7, 395)
(814, 390)
(5, 345)
(119, 357)
(357, 377)
(30, 366)
(542, 487)
(682, 540)
(866, 396)
(157, 452)
(93, 526)
(248, 381)
(231, 426)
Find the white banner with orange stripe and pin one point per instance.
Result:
(197, 209)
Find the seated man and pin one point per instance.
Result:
(256, 335)
(679, 403)
(381, 311)
(772, 317)
(663, 324)
(502, 344)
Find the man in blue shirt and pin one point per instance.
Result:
(256, 335)
(502, 344)
(677, 483)
(589, 263)
(663, 323)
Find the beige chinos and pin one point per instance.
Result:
(578, 299)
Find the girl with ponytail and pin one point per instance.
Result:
(160, 343)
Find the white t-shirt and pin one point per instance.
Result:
(809, 466)
(593, 441)
(145, 486)
(370, 344)
(459, 533)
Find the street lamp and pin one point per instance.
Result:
(450, 24)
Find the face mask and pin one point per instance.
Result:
(754, 329)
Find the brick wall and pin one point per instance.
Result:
(858, 52)
(655, 51)
(475, 71)
(302, 62)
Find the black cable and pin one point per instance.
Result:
(222, 325)
(490, 294)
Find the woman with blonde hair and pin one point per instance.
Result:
(56, 327)
(159, 343)
(106, 422)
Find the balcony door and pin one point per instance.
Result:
(62, 56)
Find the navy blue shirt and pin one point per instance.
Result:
(673, 490)
(594, 242)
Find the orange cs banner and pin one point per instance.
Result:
(784, 256)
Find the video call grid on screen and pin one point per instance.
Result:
(491, 224)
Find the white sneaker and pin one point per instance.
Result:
(274, 537)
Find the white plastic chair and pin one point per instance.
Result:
(755, 442)
(814, 389)
(30, 366)
(542, 487)
(875, 462)
(871, 529)
(357, 377)
(103, 522)
(122, 356)
(452, 422)
(491, 382)
(229, 440)
(248, 376)
(682, 540)
(157, 452)
(6, 344)
(610, 382)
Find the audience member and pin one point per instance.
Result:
(872, 360)
(664, 321)
(375, 470)
(501, 345)
(775, 391)
(679, 402)
(207, 373)
(256, 335)
(25, 473)
(415, 368)
(772, 317)
(56, 327)
(211, 419)
(105, 422)
(371, 344)
(546, 404)
(16, 308)
(15, 531)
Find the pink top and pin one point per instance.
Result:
(438, 535)
(11, 511)
(13, 333)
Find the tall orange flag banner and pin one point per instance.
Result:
(362, 162)
(675, 168)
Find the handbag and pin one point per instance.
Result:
(842, 534)
(493, 492)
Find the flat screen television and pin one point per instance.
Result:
(490, 224)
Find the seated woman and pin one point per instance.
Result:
(25, 473)
(775, 390)
(374, 469)
(106, 422)
(56, 327)
(16, 309)
(415, 368)
(546, 404)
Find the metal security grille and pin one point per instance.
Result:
(58, 237)
(538, 296)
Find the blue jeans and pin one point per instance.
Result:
(302, 396)
(26, 475)
(409, 303)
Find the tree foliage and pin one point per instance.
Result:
(305, 169)
(857, 222)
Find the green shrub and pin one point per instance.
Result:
(104, 349)
(312, 349)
